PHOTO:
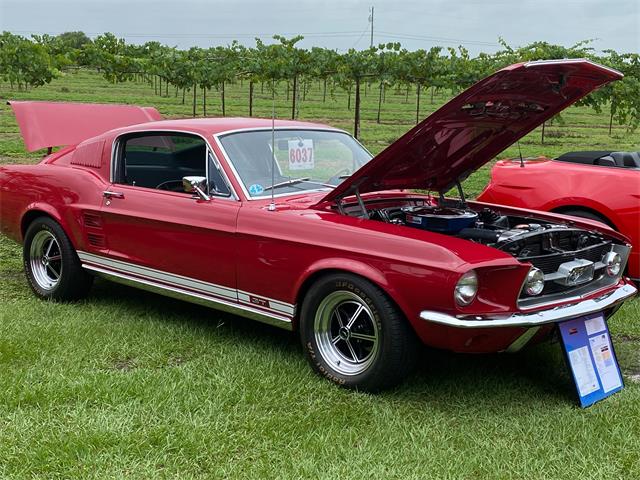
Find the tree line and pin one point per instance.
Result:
(32, 62)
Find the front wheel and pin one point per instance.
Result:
(51, 264)
(354, 335)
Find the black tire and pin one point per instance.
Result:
(351, 357)
(51, 264)
(589, 215)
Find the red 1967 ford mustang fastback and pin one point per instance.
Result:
(295, 224)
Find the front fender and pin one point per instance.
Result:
(400, 284)
(345, 264)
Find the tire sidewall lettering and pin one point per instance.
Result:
(308, 334)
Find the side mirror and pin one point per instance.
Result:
(197, 185)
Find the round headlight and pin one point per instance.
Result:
(613, 263)
(466, 288)
(534, 283)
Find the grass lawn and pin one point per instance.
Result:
(127, 384)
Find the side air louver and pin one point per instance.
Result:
(96, 240)
(91, 220)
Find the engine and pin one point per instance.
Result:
(523, 237)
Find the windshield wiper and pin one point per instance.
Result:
(291, 181)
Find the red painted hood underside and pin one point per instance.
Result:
(477, 125)
(51, 124)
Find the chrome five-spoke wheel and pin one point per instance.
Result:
(354, 335)
(346, 332)
(51, 264)
(46, 260)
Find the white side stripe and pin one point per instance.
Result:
(169, 278)
(193, 284)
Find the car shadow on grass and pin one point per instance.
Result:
(447, 381)
(538, 375)
(204, 320)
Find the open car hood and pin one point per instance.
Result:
(52, 124)
(475, 126)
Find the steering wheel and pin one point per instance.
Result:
(335, 177)
(171, 185)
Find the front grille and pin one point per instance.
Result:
(550, 263)
(553, 287)
(555, 292)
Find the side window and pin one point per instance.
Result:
(216, 181)
(161, 160)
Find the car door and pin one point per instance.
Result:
(156, 232)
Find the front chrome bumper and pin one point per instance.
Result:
(551, 315)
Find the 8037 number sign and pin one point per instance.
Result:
(301, 155)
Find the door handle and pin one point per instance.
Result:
(107, 194)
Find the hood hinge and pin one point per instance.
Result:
(356, 192)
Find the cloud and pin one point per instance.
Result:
(337, 24)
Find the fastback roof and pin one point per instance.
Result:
(218, 125)
(53, 124)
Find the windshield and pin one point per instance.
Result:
(305, 160)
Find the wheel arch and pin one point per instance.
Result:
(37, 210)
(333, 266)
(31, 214)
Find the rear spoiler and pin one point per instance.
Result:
(53, 124)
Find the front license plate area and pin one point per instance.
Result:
(591, 358)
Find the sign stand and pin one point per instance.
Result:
(591, 358)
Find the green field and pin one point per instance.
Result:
(128, 384)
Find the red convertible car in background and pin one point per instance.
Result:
(599, 185)
(295, 224)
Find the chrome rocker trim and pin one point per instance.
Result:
(180, 294)
(218, 297)
(552, 315)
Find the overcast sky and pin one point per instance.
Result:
(337, 24)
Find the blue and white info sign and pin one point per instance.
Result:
(591, 357)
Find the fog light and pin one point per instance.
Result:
(466, 288)
(613, 262)
(534, 283)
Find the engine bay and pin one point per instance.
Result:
(523, 237)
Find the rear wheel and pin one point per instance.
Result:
(51, 264)
(354, 335)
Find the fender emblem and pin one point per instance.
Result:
(261, 302)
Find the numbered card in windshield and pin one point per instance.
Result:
(301, 155)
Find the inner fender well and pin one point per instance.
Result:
(567, 208)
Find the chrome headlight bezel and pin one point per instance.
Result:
(613, 263)
(466, 289)
(534, 282)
